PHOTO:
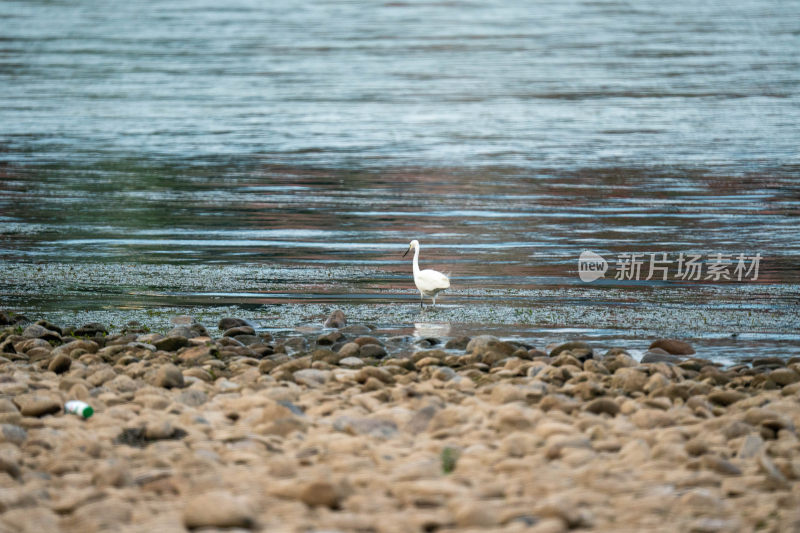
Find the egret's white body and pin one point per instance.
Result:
(429, 282)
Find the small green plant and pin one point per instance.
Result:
(449, 458)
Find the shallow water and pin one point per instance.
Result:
(274, 163)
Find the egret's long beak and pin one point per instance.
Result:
(405, 254)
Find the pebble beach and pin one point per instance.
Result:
(223, 427)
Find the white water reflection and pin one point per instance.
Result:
(431, 329)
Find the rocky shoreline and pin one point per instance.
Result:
(349, 429)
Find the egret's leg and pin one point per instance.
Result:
(420, 300)
(434, 301)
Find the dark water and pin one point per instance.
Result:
(274, 161)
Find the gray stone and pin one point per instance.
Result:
(295, 344)
(751, 446)
(248, 340)
(573, 345)
(13, 434)
(90, 330)
(172, 343)
(444, 373)
(311, 377)
(183, 331)
(784, 376)
(136, 345)
(774, 475)
(457, 343)
(230, 322)
(372, 350)
(481, 342)
(351, 362)
(182, 320)
(420, 420)
(192, 397)
(49, 325)
(375, 427)
(35, 331)
(657, 355)
(720, 465)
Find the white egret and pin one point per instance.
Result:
(429, 282)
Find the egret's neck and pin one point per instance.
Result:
(416, 260)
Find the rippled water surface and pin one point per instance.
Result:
(274, 161)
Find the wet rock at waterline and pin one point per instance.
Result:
(336, 320)
(673, 346)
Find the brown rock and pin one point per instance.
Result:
(59, 364)
(475, 515)
(172, 343)
(603, 405)
(239, 330)
(457, 343)
(195, 354)
(629, 380)
(615, 361)
(784, 376)
(372, 350)
(231, 322)
(38, 403)
(566, 359)
(673, 346)
(321, 494)
(489, 343)
(10, 467)
(327, 356)
(330, 338)
(368, 339)
(217, 509)
(696, 447)
(349, 349)
(592, 365)
(726, 397)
